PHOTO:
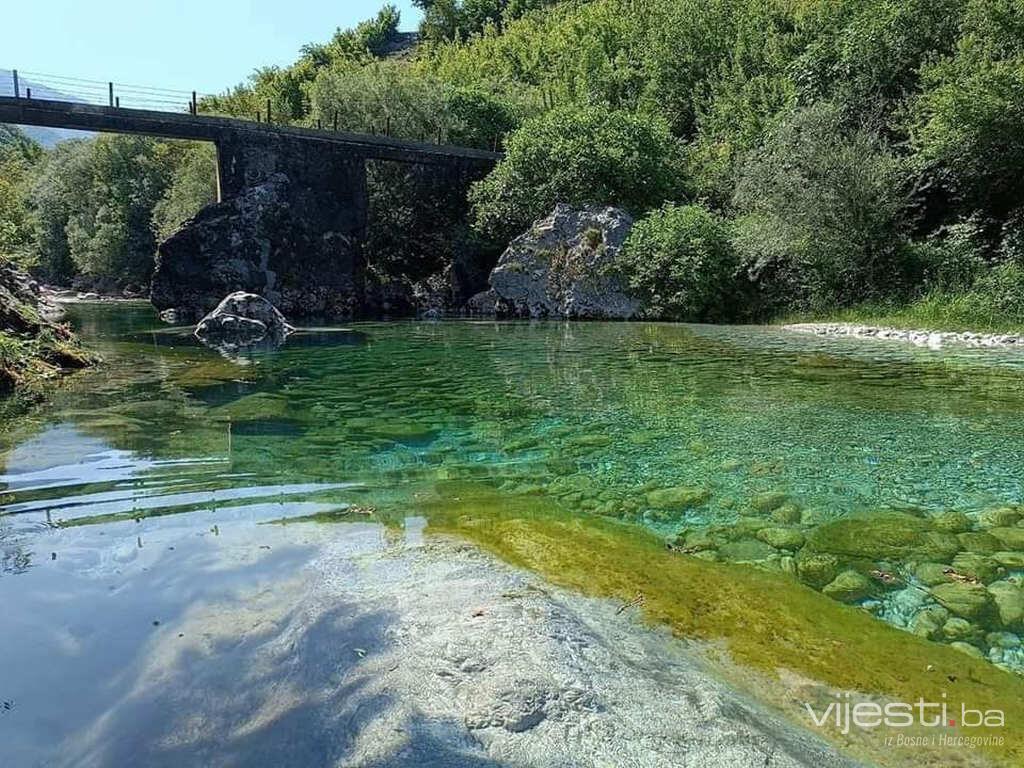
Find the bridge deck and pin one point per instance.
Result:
(173, 125)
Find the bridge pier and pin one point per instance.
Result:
(289, 225)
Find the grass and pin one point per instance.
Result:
(935, 312)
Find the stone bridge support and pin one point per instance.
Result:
(289, 225)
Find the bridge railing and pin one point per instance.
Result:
(48, 87)
(40, 86)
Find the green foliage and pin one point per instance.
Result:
(967, 122)
(459, 19)
(18, 158)
(822, 213)
(680, 260)
(193, 184)
(578, 155)
(95, 204)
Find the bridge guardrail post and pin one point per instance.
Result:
(17, 92)
(110, 92)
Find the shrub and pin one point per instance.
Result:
(577, 155)
(680, 261)
(823, 213)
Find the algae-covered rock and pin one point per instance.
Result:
(978, 541)
(970, 601)
(787, 514)
(951, 521)
(931, 574)
(884, 535)
(957, 628)
(816, 569)
(848, 587)
(782, 538)
(969, 649)
(975, 564)
(928, 621)
(1010, 538)
(768, 501)
(1008, 559)
(1009, 600)
(746, 551)
(1000, 517)
(678, 497)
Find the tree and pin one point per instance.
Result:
(19, 157)
(680, 261)
(822, 213)
(578, 155)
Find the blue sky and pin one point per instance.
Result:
(206, 45)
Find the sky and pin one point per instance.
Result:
(202, 45)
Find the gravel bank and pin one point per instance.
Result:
(933, 339)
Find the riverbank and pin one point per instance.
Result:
(34, 346)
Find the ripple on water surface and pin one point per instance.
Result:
(745, 444)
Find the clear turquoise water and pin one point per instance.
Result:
(168, 435)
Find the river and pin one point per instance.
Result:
(174, 526)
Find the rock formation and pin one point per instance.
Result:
(563, 267)
(243, 320)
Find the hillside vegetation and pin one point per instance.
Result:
(784, 156)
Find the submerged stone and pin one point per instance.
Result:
(927, 622)
(970, 601)
(951, 521)
(678, 497)
(931, 574)
(1009, 600)
(978, 542)
(746, 551)
(848, 587)
(1008, 559)
(782, 538)
(816, 569)
(1010, 538)
(1000, 517)
(977, 565)
(768, 501)
(883, 535)
(957, 628)
(787, 514)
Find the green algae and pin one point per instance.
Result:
(766, 622)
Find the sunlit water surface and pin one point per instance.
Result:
(169, 440)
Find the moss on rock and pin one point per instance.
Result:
(883, 536)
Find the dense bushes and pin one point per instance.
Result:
(821, 213)
(680, 260)
(854, 150)
(578, 155)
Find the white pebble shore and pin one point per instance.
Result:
(933, 339)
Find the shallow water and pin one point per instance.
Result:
(169, 442)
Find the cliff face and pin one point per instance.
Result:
(34, 347)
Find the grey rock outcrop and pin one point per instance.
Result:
(563, 267)
(243, 320)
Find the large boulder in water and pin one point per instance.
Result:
(243, 320)
(563, 267)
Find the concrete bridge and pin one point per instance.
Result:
(291, 212)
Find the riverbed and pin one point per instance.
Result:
(447, 543)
